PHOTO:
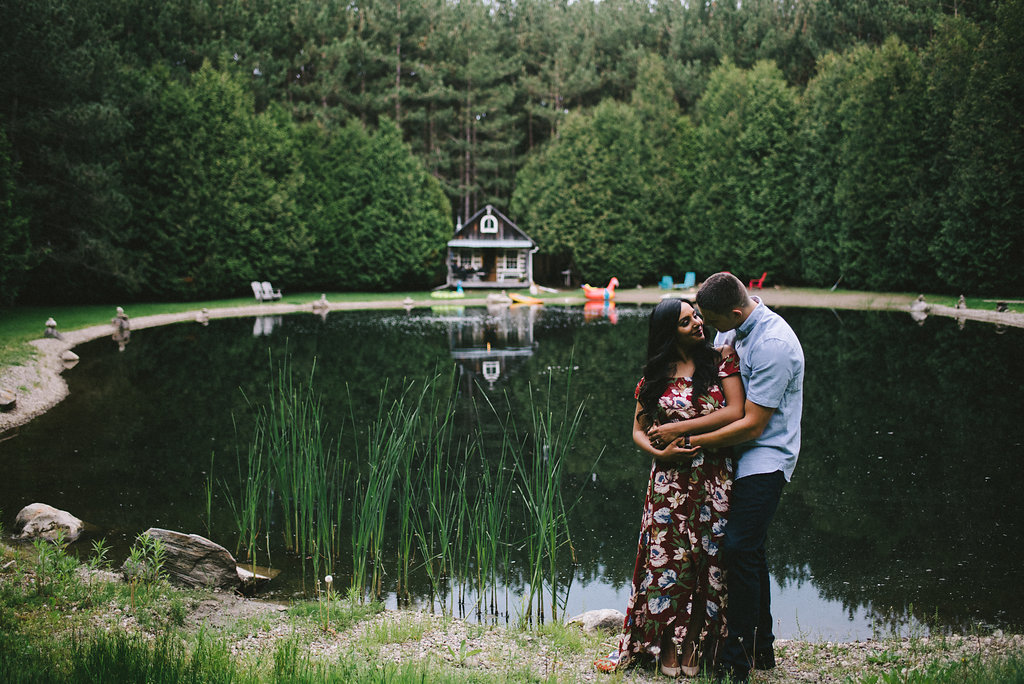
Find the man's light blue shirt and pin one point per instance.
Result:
(772, 368)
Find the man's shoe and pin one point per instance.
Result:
(765, 660)
(727, 675)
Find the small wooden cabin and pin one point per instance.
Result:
(489, 250)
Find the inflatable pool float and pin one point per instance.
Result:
(524, 299)
(602, 293)
(457, 293)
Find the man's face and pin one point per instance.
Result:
(721, 321)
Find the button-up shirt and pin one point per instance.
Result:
(772, 369)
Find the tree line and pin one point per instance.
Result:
(180, 149)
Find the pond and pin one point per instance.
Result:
(904, 512)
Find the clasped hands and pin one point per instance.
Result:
(668, 439)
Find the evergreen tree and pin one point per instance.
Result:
(743, 202)
(379, 220)
(980, 243)
(14, 237)
(213, 191)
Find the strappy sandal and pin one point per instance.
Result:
(608, 663)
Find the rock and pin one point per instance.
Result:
(51, 329)
(607, 619)
(68, 356)
(196, 561)
(8, 400)
(41, 520)
(254, 577)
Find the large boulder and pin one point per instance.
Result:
(606, 619)
(42, 521)
(196, 561)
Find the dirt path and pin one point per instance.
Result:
(39, 385)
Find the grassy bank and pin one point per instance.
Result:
(63, 622)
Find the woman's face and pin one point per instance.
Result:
(690, 331)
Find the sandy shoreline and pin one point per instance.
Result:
(39, 385)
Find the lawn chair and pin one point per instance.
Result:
(758, 283)
(689, 280)
(665, 283)
(269, 293)
(257, 291)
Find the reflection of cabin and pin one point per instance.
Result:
(485, 346)
(490, 251)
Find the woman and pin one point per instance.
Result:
(675, 609)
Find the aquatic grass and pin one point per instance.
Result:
(421, 488)
(539, 461)
(308, 473)
(252, 484)
(384, 444)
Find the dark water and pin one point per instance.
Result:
(905, 509)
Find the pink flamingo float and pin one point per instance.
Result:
(602, 293)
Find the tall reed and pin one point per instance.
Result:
(540, 464)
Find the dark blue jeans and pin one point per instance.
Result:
(751, 508)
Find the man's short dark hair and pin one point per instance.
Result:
(722, 292)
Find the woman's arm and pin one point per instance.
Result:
(735, 398)
(669, 453)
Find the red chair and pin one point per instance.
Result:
(757, 284)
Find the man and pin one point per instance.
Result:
(768, 441)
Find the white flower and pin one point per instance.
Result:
(663, 515)
(719, 500)
(667, 579)
(715, 578)
(659, 538)
(658, 556)
(712, 610)
(658, 604)
(705, 514)
(718, 527)
(661, 482)
(698, 460)
(676, 500)
(328, 579)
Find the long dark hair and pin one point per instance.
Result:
(662, 356)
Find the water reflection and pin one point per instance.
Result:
(904, 505)
(484, 344)
(264, 325)
(596, 311)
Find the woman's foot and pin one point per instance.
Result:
(689, 665)
(669, 660)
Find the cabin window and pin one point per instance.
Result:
(492, 370)
(512, 260)
(471, 258)
(489, 224)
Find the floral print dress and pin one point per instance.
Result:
(678, 583)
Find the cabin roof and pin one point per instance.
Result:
(519, 239)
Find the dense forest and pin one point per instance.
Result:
(179, 149)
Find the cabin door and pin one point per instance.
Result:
(490, 266)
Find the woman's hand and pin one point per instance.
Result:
(667, 433)
(677, 453)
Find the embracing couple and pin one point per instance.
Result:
(722, 423)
